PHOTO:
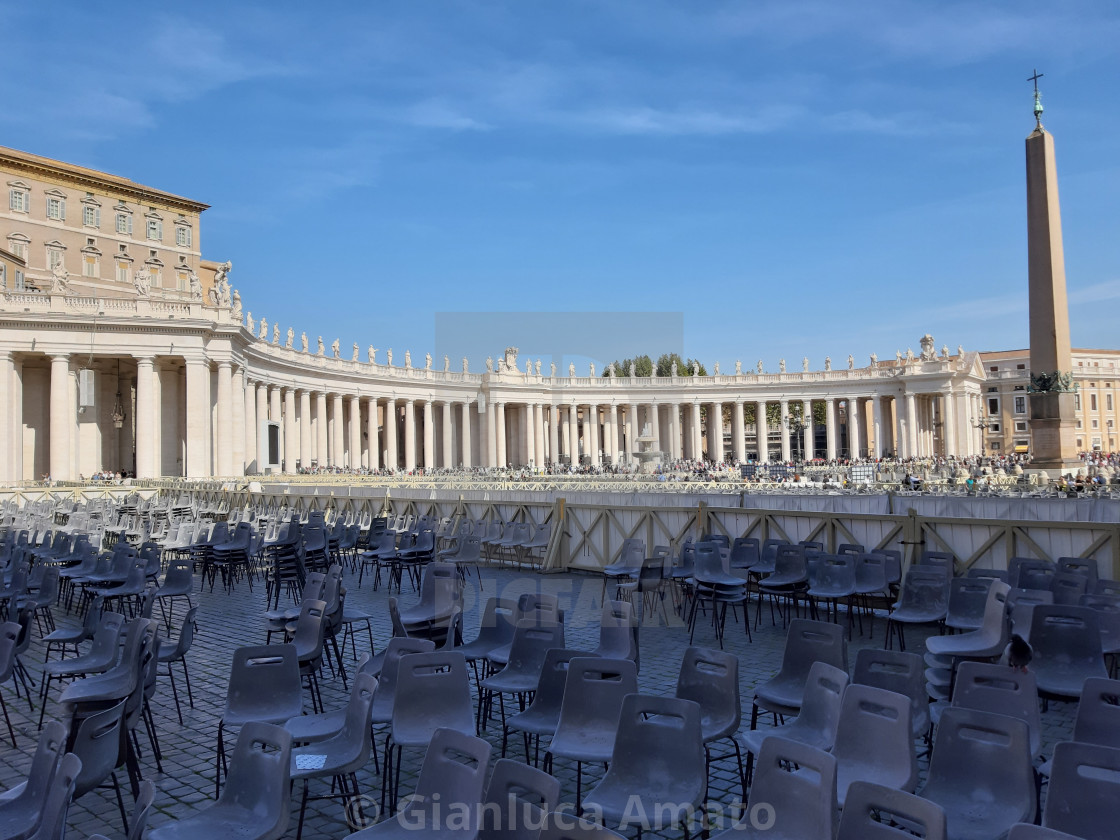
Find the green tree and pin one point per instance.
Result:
(684, 368)
(643, 366)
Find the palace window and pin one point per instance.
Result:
(182, 236)
(1096, 423)
(124, 224)
(19, 198)
(17, 244)
(994, 428)
(155, 229)
(91, 265)
(91, 216)
(55, 255)
(122, 271)
(993, 406)
(1020, 405)
(56, 208)
(1092, 402)
(1076, 402)
(1020, 425)
(1108, 401)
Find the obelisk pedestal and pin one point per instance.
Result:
(1052, 411)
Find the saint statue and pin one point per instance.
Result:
(851, 362)
(427, 361)
(592, 370)
(528, 367)
(960, 349)
(805, 364)
(196, 288)
(571, 370)
(633, 371)
(760, 366)
(715, 370)
(446, 363)
(389, 356)
(303, 342)
(673, 370)
(898, 356)
(874, 359)
(552, 368)
(610, 370)
(143, 281)
(782, 366)
(357, 350)
(291, 338)
(219, 294)
(264, 329)
(537, 367)
(322, 350)
(334, 348)
(371, 353)
(695, 368)
(944, 351)
(236, 305)
(738, 367)
(828, 363)
(250, 324)
(909, 354)
(275, 333)
(408, 358)
(489, 364)
(465, 365)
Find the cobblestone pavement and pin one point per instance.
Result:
(228, 621)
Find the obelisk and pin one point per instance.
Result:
(1051, 389)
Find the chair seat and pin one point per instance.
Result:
(779, 695)
(907, 615)
(511, 683)
(309, 729)
(751, 739)
(595, 745)
(218, 822)
(535, 722)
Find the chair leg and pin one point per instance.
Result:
(175, 693)
(8, 720)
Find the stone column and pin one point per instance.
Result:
(338, 432)
(807, 432)
(877, 426)
(305, 448)
(538, 424)
(429, 436)
(491, 435)
(573, 432)
(322, 456)
(610, 432)
(448, 437)
(198, 419)
(694, 431)
(60, 419)
(676, 443)
(238, 421)
(899, 428)
(262, 416)
(854, 428)
(373, 459)
(409, 435)
(292, 452)
(911, 426)
(830, 427)
(762, 432)
(715, 432)
(948, 424)
(500, 422)
(8, 439)
(738, 437)
(276, 415)
(392, 454)
(783, 427)
(591, 433)
(355, 431)
(465, 435)
(148, 419)
(252, 462)
(554, 434)
(964, 428)
(654, 427)
(634, 426)
(530, 434)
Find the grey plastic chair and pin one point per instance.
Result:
(802, 804)
(657, 764)
(264, 687)
(1002, 691)
(178, 582)
(383, 698)
(618, 633)
(531, 643)
(980, 773)
(494, 630)
(9, 638)
(806, 642)
(1021, 604)
(874, 740)
(543, 713)
(1084, 566)
(1084, 794)
(1067, 650)
(433, 692)
(101, 656)
(1026, 831)
(874, 812)
(1098, 713)
(255, 803)
(140, 811)
(57, 803)
(97, 743)
(1022, 572)
(515, 799)
(967, 597)
(593, 695)
(710, 678)
(169, 655)
(1068, 587)
(924, 599)
(340, 756)
(991, 637)
(900, 672)
(834, 579)
(22, 813)
(816, 725)
(453, 775)
(540, 609)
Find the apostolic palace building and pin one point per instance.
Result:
(122, 348)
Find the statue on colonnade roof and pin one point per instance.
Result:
(303, 342)
(291, 338)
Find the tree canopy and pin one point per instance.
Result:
(644, 366)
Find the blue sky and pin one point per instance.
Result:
(796, 178)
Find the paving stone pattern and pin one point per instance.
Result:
(228, 621)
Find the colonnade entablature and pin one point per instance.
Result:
(175, 386)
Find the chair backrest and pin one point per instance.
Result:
(454, 771)
(1098, 713)
(540, 608)
(813, 641)
(309, 635)
(802, 804)
(1084, 794)
(875, 812)
(398, 647)
(57, 802)
(264, 677)
(561, 826)
(710, 678)
(744, 553)
(967, 596)
(1084, 566)
(139, 822)
(9, 638)
(876, 729)
(1000, 690)
(515, 798)
(871, 573)
(554, 675)
(1029, 573)
(941, 559)
(618, 631)
(1068, 635)
(850, 548)
(897, 671)
(836, 572)
(52, 745)
(97, 743)
(822, 701)
(593, 693)
(356, 727)
(790, 561)
(1068, 587)
(925, 589)
(259, 776)
(531, 643)
(658, 751)
(433, 689)
(982, 757)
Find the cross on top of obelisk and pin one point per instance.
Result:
(1037, 97)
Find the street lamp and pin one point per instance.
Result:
(797, 425)
(983, 424)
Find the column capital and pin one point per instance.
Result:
(60, 357)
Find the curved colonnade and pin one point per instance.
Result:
(183, 388)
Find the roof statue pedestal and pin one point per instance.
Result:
(1051, 391)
